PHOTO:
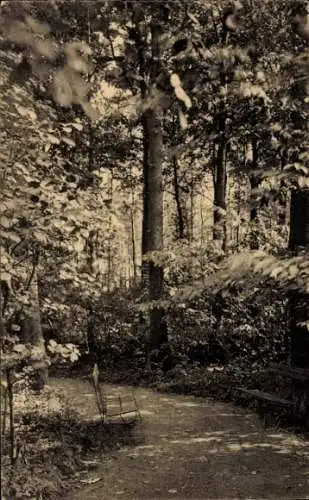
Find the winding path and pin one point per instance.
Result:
(195, 448)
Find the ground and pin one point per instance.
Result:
(194, 448)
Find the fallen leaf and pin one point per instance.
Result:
(91, 480)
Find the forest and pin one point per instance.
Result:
(154, 219)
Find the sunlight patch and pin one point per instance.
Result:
(293, 441)
(238, 447)
(195, 440)
(187, 404)
(229, 415)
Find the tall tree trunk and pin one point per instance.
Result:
(299, 302)
(91, 338)
(220, 186)
(31, 331)
(299, 221)
(191, 208)
(238, 201)
(132, 224)
(181, 234)
(152, 237)
(90, 249)
(282, 206)
(254, 184)
(282, 197)
(110, 256)
(133, 246)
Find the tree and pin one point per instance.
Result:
(152, 239)
(39, 209)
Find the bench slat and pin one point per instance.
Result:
(293, 373)
(266, 396)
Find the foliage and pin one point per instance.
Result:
(53, 445)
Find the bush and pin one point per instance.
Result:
(244, 322)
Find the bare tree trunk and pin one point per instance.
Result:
(152, 237)
(132, 224)
(238, 200)
(109, 247)
(283, 195)
(133, 246)
(254, 184)
(282, 206)
(153, 217)
(220, 186)
(192, 208)
(202, 240)
(91, 339)
(220, 171)
(31, 330)
(180, 217)
(299, 222)
(299, 302)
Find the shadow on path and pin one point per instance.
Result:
(195, 448)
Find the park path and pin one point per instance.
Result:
(195, 448)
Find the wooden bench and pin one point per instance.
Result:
(300, 387)
(111, 407)
(298, 374)
(265, 396)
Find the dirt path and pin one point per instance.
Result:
(198, 449)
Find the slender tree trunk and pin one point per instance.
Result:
(133, 246)
(299, 302)
(220, 186)
(110, 258)
(254, 184)
(132, 224)
(90, 249)
(4, 298)
(180, 217)
(282, 206)
(238, 201)
(91, 339)
(31, 331)
(191, 209)
(282, 198)
(202, 240)
(220, 171)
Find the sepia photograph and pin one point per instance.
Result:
(154, 249)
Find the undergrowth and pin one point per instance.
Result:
(55, 450)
